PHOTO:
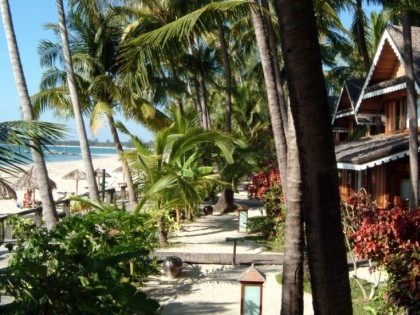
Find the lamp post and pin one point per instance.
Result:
(251, 291)
(242, 219)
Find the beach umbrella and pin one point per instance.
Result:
(27, 181)
(118, 169)
(76, 175)
(99, 172)
(6, 191)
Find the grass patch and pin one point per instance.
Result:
(271, 246)
(361, 305)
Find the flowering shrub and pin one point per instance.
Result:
(392, 239)
(353, 211)
(268, 189)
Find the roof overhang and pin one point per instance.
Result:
(361, 167)
(340, 130)
(344, 114)
(386, 90)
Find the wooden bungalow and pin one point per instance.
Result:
(379, 162)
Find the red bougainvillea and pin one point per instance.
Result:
(263, 181)
(392, 239)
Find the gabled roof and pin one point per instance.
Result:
(348, 97)
(388, 57)
(372, 151)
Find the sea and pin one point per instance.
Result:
(58, 153)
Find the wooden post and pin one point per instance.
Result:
(234, 239)
(66, 208)
(38, 217)
(2, 231)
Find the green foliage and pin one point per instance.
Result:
(85, 265)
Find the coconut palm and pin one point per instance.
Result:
(171, 176)
(49, 210)
(96, 31)
(81, 131)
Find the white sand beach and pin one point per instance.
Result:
(56, 171)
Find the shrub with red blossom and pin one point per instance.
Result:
(392, 239)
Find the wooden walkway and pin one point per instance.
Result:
(224, 258)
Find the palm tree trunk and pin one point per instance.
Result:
(162, 232)
(80, 126)
(179, 104)
(48, 205)
(228, 75)
(203, 98)
(272, 91)
(126, 169)
(412, 111)
(293, 266)
(276, 65)
(361, 35)
(318, 166)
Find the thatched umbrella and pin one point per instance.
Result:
(27, 180)
(6, 191)
(120, 170)
(76, 175)
(99, 172)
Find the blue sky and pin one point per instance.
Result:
(29, 18)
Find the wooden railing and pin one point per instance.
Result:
(108, 196)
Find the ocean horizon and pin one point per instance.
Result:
(60, 153)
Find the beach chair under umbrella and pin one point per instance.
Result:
(76, 175)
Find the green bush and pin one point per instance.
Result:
(87, 264)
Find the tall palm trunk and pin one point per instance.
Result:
(273, 97)
(276, 65)
(412, 111)
(318, 166)
(203, 98)
(227, 197)
(292, 284)
(227, 73)
(293, 266)
(132, 196)
(80, 126)
(41, 171)
(361, 35)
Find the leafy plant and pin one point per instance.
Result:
(392, 238)
(85, 265)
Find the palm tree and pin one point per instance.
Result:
(319, 189)
(81, 131)
(170, 175)
(49, 210)
(97, 32)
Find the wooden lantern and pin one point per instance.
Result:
(252, 281)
